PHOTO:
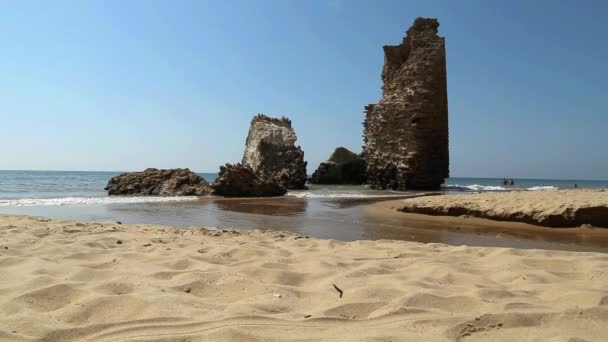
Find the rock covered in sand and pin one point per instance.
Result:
(551, 208)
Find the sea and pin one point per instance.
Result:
(330, 212)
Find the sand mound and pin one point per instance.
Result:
(69, 281)
(556, 208)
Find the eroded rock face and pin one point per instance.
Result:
(342, 167)
(406, 133)
(241, 181)
(270, 150)
(155, 182)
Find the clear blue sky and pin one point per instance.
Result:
(125, 85)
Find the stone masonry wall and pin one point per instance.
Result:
(406, 133)
(270, 150)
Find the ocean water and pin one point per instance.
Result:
(31, 188)
(336, 212)
(495, 184)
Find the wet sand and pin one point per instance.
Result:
(75, 281)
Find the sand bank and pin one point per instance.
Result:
(75, 281)
(474, 231)
(556, 208)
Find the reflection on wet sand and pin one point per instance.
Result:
(264, 206)
(345, 203)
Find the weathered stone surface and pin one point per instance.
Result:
(270, 150)
(154, 182)
(241, 181)
(406, 133)
(342, 167)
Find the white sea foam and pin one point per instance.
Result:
(310, 194)
(29, 202)
(543, 188)
(478, 187)
(475, 187)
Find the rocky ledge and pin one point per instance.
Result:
(241, 181)
(155, 182)
(342, 167)
(555, 208)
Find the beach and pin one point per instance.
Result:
(74, 281)
(303, 171)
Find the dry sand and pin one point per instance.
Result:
(556, 208)
(76, 281)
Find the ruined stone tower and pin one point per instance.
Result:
(270, 150)
(406, 133)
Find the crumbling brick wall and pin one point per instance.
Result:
(406, 133)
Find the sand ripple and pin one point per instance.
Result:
(69, 281)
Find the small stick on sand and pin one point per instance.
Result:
(338, 289)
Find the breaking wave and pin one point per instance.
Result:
(475, 187)
(479, 188)
(311, 194)
(542, 188)
(30, 202)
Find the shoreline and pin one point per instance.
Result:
(344, 219)
(474, 231)
(75, 280)
(551, 208)
(392, 208)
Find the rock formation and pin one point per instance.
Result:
(154, 182)
(406, 133)
(241, 181)
(342, 167)
(270, 150)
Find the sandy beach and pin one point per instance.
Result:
(85, 281)
(256, 171)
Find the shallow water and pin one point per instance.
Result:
(333, 212)
(328, 218)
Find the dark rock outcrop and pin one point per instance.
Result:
(406, 133)
(342, 167)
(270, 150)
(241, 181)
(154, 182)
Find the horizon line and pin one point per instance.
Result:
(485, 177)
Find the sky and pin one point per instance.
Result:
(126, 85)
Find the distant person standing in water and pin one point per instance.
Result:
(511, 182)
(504, 181)
(576, 186)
